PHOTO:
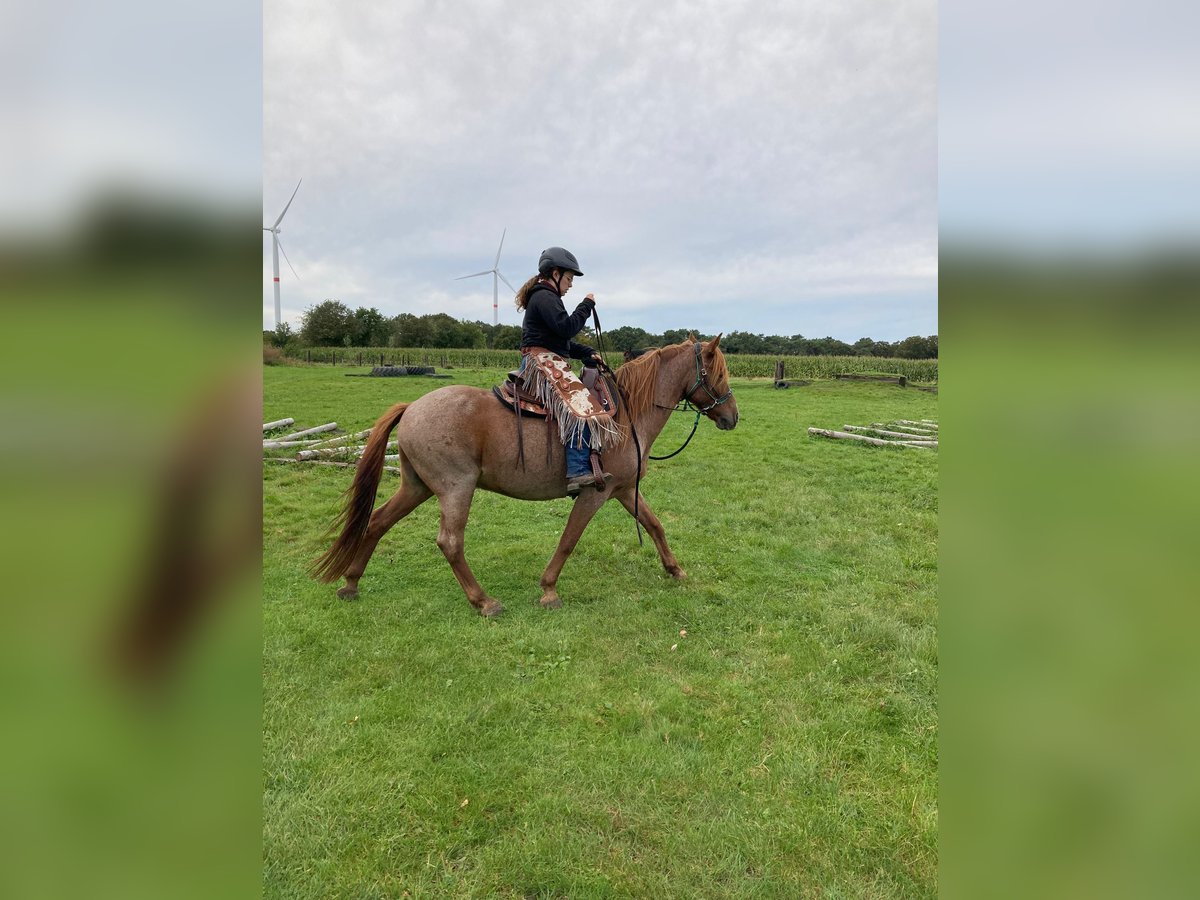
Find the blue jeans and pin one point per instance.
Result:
(578, 458)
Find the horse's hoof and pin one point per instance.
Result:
(677, 573)
(491, 608)
(554, 602)
(347, 593)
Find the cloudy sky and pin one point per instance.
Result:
(757, 166)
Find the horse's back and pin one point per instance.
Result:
(455, 412)
(460, 433)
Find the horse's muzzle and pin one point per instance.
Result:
(727, 421)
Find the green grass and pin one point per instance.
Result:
(786, 746)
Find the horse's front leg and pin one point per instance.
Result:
(585, 507)
(654, 528)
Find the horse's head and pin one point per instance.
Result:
(710, 392)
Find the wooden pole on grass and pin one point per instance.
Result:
(883, 431)
(328, 426)
(878, 442)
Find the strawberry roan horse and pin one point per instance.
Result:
(459, 438)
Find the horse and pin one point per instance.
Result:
(458, 438)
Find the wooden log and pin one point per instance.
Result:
(284, 445)
(907, 429)
(328, 426)
(343, 438)
(922, 424)
(881, 431)
(779, 371)
(348, 450)
(280, 423)
(878, 442)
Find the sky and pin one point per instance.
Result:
(760, 166)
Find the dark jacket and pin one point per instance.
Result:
(547, 324)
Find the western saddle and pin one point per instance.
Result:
(512, 393)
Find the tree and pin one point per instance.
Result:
(744, 342)
(916, 347)
(409, 331)
(327, 324)
(280, 335)
(629, 338)
(369, 328)
(679, 335)
(506, 337)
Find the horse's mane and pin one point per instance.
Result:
(638, 378)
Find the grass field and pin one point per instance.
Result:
(766, 728)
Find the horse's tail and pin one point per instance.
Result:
(356, 515)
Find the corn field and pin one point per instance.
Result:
(740, 365)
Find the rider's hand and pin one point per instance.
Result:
(591, 297)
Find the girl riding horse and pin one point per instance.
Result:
(546, 342)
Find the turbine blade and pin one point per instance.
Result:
(289, 262)
(289, 203)
(505, 280)
(498, 249)
(476, 275)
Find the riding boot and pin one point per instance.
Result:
(576, 483)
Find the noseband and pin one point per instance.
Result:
(702, 382)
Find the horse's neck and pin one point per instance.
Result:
(672, 382)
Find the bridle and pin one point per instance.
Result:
(687, 402)
(702, 382)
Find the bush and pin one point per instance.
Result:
(272, 356)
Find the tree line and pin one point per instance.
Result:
(333, 324)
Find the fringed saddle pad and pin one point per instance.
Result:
(548, 379)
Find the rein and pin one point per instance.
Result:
(637, 475)
(700, 382)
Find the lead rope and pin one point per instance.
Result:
(637, 477)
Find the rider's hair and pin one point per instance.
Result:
(523, 293)
(522, 299)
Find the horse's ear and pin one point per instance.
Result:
(715, 342)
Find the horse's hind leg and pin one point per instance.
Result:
(654, 528)
(456, 506)
(412, 494)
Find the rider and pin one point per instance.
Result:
(546, 333)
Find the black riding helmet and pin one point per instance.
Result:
(558, 258)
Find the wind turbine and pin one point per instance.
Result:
(494, 271)
(277, 248)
